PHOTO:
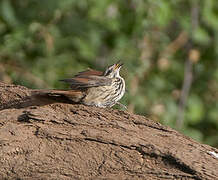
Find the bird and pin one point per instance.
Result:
(94, 88)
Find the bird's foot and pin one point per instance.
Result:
(123, 106)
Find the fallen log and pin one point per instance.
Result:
(50, 138)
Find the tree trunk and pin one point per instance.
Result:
(50, 138)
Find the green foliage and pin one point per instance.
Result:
(44, 41)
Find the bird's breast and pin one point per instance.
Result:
(105, 96)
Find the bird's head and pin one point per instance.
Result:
(113, 70)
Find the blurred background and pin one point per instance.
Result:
(169, 48)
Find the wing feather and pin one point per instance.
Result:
(80, 82)
(89, 72)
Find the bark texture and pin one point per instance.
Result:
(49, 138)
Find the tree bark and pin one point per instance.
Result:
(51, 138)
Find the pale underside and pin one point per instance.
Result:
(104, 96)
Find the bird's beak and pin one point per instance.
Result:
(118, 65)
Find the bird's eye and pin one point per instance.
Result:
(108, 72)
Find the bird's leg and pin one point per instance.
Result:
(123, 106)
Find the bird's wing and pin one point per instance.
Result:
(85, 81)
(89, 72)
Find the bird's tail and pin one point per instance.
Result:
(73, 95)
